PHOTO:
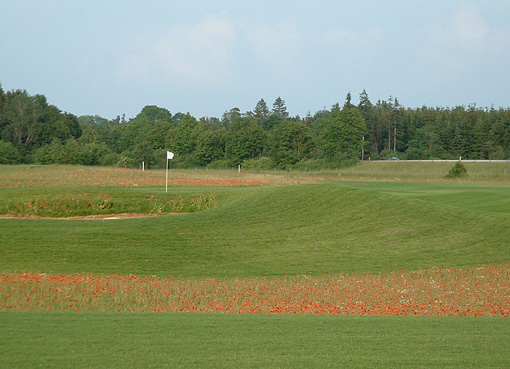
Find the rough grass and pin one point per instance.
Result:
(37, 176)
(428, 170)
(56, 202)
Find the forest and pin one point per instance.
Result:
(34, 131)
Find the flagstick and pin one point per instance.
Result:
(166, 181)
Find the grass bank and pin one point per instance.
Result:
(275, 230)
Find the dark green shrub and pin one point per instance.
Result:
(220, 164)
(457, 171)
(8, 153)
(263, 163)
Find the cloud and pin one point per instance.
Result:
(463, 41)
(196, 55)
(467, 28)
(468, 31)
(364, 39)
(278, 47)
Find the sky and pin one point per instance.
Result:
(110, 57)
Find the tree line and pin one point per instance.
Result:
(33, 131)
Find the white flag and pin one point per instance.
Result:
(169, 155)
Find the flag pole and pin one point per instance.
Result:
(166, 180)
(169, 156)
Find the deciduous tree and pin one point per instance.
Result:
(291, 142)
(245, 140)
(342, 134)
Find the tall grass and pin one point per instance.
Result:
(425, 170)
(55, 204)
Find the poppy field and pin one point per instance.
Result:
(431, 292)
(233, 269)
(77, 176)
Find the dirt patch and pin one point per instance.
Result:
(89, 217)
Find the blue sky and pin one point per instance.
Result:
(206, 57)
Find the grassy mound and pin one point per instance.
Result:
(276, 230)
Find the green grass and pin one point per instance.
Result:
(335, 226)
(486, 197)
(276, 230)
(91, 340)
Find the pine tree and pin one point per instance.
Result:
(279, 108)
(261, 110)
(348, 104)
(364, 104)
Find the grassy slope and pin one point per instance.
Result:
(90, 340)
(277, 230)
(347, 227)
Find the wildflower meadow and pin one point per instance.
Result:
(432, 292)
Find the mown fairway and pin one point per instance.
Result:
(110, 340)
(255, 225)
